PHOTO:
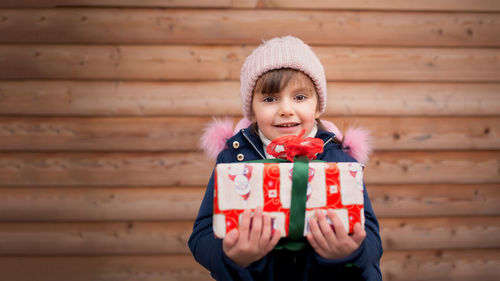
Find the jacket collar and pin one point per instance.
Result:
(254, 140)
(256, 144)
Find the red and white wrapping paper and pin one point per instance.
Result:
(240, 186)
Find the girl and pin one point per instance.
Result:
(283, 91)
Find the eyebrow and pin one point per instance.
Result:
(299, 89)
(268, 94)
(304, 89)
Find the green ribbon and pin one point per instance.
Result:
(299, 192)
(296, 240)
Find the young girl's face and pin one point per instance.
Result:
(290, 110)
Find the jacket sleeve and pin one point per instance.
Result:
(207, 249)
(367, 256)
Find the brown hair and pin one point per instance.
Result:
(275, 80)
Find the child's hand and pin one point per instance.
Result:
(331, 244)
(253, 241)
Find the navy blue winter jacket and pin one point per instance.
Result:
(305, 264)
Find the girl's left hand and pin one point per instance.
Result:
(331, 244)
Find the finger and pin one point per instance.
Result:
(316, 233)
(314, 244)
(326, 229)
(312, 241)
(274, 240)
(256, 226)
(230, 240)
(337, 225)
(359, 234)
(266, 229)
(245, 225)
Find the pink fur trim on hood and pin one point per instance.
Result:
(356, 142)
(215, 135)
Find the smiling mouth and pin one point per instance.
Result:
(287, 125)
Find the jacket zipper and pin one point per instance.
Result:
(326, 142)
(248, 139)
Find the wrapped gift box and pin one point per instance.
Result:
(240, 186)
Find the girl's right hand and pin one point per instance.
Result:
(254, 239)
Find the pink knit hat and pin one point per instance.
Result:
(281, 52)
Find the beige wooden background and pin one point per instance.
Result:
(102, 103)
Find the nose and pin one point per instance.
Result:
(286, 108)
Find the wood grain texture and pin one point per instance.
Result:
(102, 104)
(152, 238)
(427, 5)
(192, 169)
(178, 99)
(433, 167)
(103, 268)
(456, 265)
(435, 200)
(413, 99)
(223, 62)
(220, 27)
(460, 265)
(48, 204)
(121, 3)
(124, 62)
(100, 204)
(90, 238)
(439, 233)
(104, 169)
(101, 134)
(429, 133)
(183, 134)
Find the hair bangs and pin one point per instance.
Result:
(276, 80)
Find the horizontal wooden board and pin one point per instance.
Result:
(434, 200)
(101, 134)
(217, 26)
(440, 233)
(90, 238)
(104, 169)
(451, 265)
(440, 5)
(183, 134)
(434, 133)
(128, 62)
(188, 62)
(146, 238)
(456, 265)
(103, 268)
(125, 3)
(434, 167)
(182, 203)
(192, 169)
(427, 5)
(100, 204)
(90, 98)
(422, 99)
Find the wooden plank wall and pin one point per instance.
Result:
(102, 104)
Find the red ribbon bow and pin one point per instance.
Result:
(295, 146)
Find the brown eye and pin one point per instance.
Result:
(300, 97)
(269, 99)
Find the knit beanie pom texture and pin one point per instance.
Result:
(277, 53)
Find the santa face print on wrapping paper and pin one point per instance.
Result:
(310, 176)
(241, 175)
(356, 173)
